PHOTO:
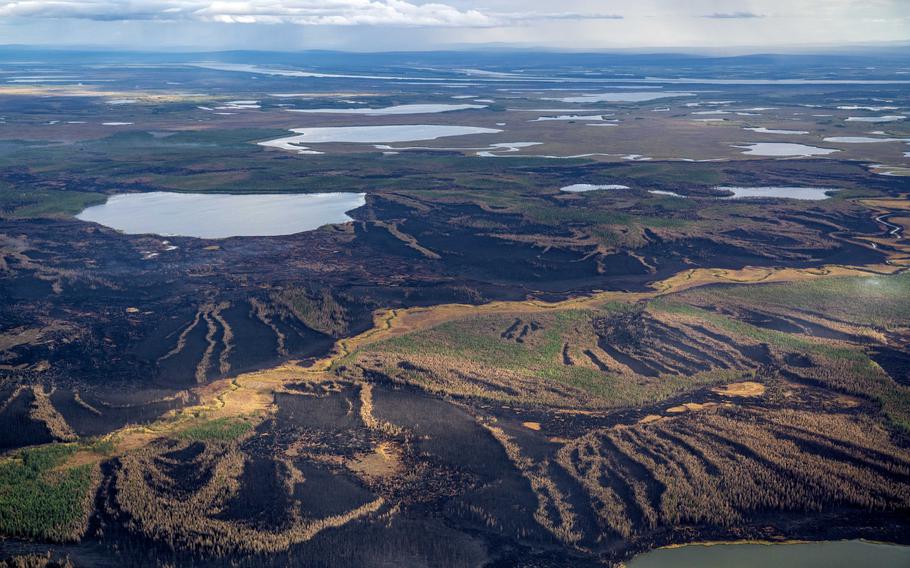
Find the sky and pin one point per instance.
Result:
(378, 25)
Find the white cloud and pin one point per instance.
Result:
(733, 15)
(301, 12)
(515, 17)
(430, 24)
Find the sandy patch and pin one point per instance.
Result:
(746, 388)
(384, 461)
(690, 407)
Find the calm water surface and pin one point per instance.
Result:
(219, 216)
(803, 193)
(784, 149)
(840, 554)
(391, 110)
(370, 135)
(625, 97)
(583, 187)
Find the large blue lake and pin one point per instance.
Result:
(217, 216)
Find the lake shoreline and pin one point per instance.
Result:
(783, 554)
(222, 215)
(828, 528)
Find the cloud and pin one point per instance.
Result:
(530, 16)
(734, 15)
(300, 12)
(88, 10)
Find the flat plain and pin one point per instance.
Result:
(475, 366)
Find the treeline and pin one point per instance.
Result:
(720, 467)
(38, 499)
(316, 308)
(185, 513)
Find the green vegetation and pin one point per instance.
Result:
(219, 429)
(627, 355)
(104, 447)
(881, 301)
(228, 160)
(523, 358)
(784, 341)
(475, 336)
(723, 411)
(38, 499)
(549, 215)
(35, 202)
(842, 367)
(701, 174)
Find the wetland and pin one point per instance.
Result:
(345, 336)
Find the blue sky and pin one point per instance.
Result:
(374, 25)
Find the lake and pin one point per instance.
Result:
(583, 187)
(624, 97)
(371, 135)
(874, 119)
(862, 139)
(391, 110)
(763, 130)
(784, 149)
(218, 216)
(569, 117)
(839, 554)
(804, 193)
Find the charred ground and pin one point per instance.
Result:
(479, 368)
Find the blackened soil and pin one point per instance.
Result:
(117, 320)
(326, 411)
(100, 413)
(17, 428)
(895, 362)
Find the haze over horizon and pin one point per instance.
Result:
(735, 26)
